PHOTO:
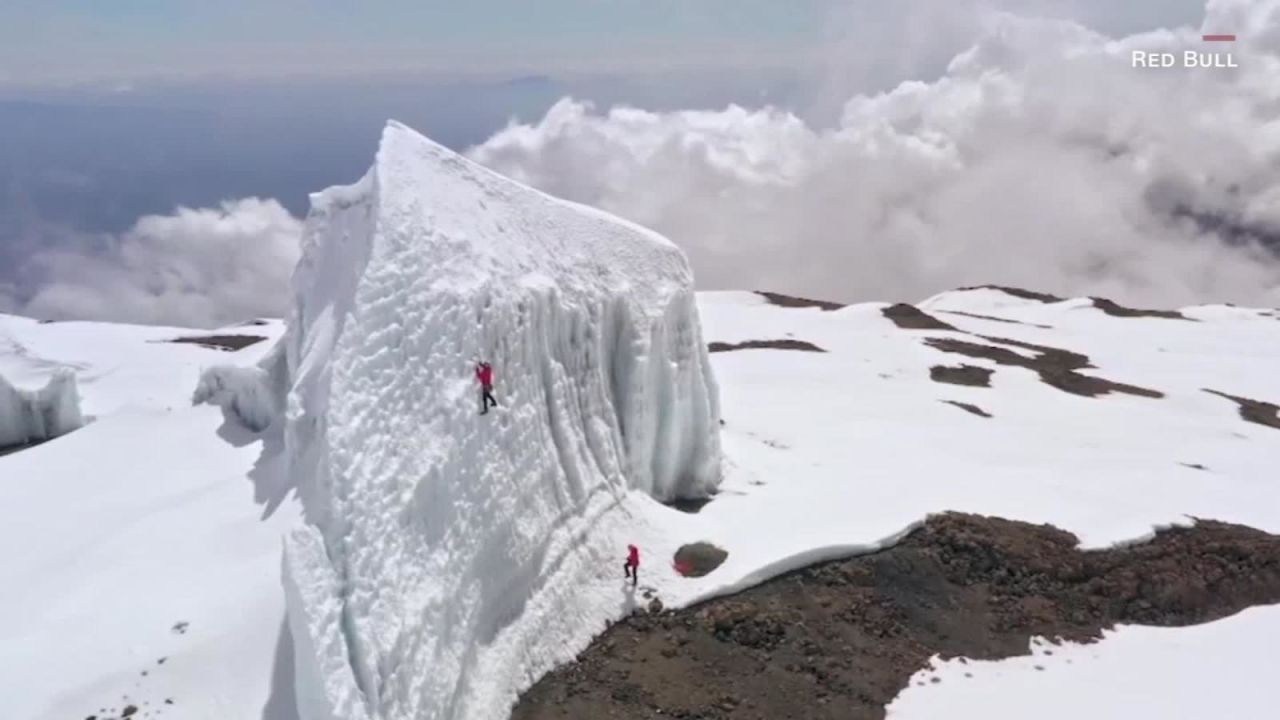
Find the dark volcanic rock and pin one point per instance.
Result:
(841, 639)
(690, 505)
(1254, 411)
(1111, 308)
(969, 375)
(969, 408)
(792, 301)
(1019, 293)
(229, 343)
(1055, 366)
(910, 317)
(698, 559)
(787, 344)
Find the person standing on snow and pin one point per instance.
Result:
(484, 373)
(631, 568)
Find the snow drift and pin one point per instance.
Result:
(37, 415)
(443, 565)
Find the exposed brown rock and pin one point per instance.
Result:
(841, 639)
(910, 317)
(698, 559)
(230, 343)
(969, 408)
(785, 344)
(1111, 308)
(1056, 367)
(1254, 411)
(792, 301)
(1019, 293)
(969, 375)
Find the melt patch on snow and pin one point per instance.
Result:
(452, 558)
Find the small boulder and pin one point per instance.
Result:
(698, 559)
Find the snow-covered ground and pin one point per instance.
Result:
(149, 534)
(1224, 669)
(447, 558)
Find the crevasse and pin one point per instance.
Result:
(450, 558)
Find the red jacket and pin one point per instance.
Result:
(485, 374)
(633, 556)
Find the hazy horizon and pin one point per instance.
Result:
(109, 116)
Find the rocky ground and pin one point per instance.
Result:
(841, 639)
(228, 343)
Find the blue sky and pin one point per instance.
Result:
(91, 39)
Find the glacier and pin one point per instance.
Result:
(250, 394)
(448, 559)
(28, 416)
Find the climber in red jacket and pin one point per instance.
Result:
(484, 373)
(631, 569)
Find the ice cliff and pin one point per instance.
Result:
(252, 395)
(37, 415)
(450, 558)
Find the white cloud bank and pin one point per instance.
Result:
(1041, 158)
(203, 267)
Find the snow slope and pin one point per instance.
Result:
(452, 558)
(825, 453)
(118, 366)
(154, 514)
(448, 559)
(1225, 669)
(833, 452)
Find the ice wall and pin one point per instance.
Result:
(252, 395)
(43, 414)
(443, 564)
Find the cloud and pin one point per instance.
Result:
(1040, 158)
(197, 267)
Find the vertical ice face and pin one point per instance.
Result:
(442, 566)
(38, 415)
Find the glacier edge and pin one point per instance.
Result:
(451, 558)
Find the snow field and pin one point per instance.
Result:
(831, 454)
(142, 519)
(1223, 669)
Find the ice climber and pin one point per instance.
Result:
(484, 373)
(631, 568)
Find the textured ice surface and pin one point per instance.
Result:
(41, 414)
(251, 394)
(451, 558)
